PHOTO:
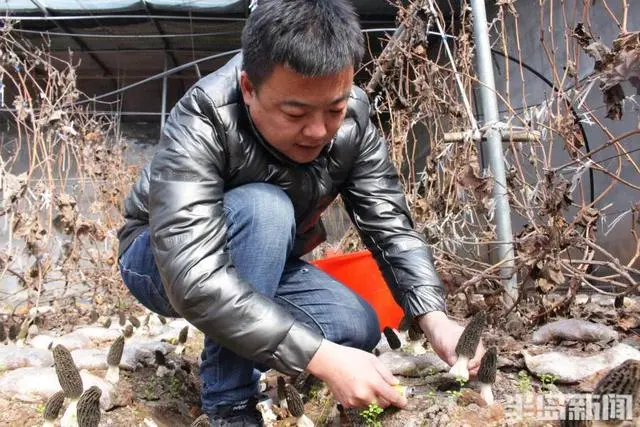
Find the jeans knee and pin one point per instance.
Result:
(371, 325)
(362, 329)
(264, 206)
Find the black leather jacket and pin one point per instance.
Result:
(209, 146)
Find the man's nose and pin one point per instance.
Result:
(315, 128)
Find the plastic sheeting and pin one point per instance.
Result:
(222, 7)
(98, 6)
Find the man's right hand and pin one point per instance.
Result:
(356, 378)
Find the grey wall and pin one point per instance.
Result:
(618, 239)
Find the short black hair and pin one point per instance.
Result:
(312, 37)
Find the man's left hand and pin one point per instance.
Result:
(443, 335)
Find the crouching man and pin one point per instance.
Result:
(218, 221)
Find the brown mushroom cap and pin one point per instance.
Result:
(624, 379)
(392, 338)
(282, 392)
(115, 352)
(201, 421)
(405, 323)
(3, 332)
(107, 323)
(13, 331)
(53, 406)
(294, 401)
(488, 366)
(415, 333)
(468, 342)
(161, 360)
(89, 407)
(67, 372)
(162, 319)
(122, 319)
(93, 316)
(128, 331)
(134, 321)
(184, 333)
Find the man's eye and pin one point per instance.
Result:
(294, 116)
(336, 111)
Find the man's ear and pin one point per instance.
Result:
(246, 87)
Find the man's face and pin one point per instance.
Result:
(298, 115)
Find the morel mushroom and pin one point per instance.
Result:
(296, 407)
(182, 339)
(415, 332)
(392, 338)
(13, 332)
(487, 374)
(618, 302)
(282, 393)
(121, 318)
(113, 360)
(201, 421)
(128, 331)
(89, 407)
(134, 321)
(107, 323)
(93, 316)
(467, 345)
(162, 319)
(23, 332)
(165, 367)
(52, 408)
(70, 381)
(416, 339)
(3, 333)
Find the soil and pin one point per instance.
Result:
(175, 401)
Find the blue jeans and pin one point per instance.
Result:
(260, 233)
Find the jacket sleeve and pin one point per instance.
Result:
(375, 200)
(188, 234)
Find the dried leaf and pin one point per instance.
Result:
(545, 286)
(613, 97)
(628, 322)
(556, 275)
(587, 215)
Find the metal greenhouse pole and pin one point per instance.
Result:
(494, 146)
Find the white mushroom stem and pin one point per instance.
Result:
(269, 417)
(262, 384)
(418, 348)
(113, 374)
(460, 369)
(179, 348)
(70, 416)
(486, 393)
(304, 421)
(283, 404)
(47, 423)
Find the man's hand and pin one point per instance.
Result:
(443, 335)
(356, 378)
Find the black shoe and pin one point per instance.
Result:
(239, 414)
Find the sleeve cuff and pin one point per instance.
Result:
(296, 350)
(422, 300)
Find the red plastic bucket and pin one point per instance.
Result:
(360, 273)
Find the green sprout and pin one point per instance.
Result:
(547, 380)
(371, 415)
(524, 382)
